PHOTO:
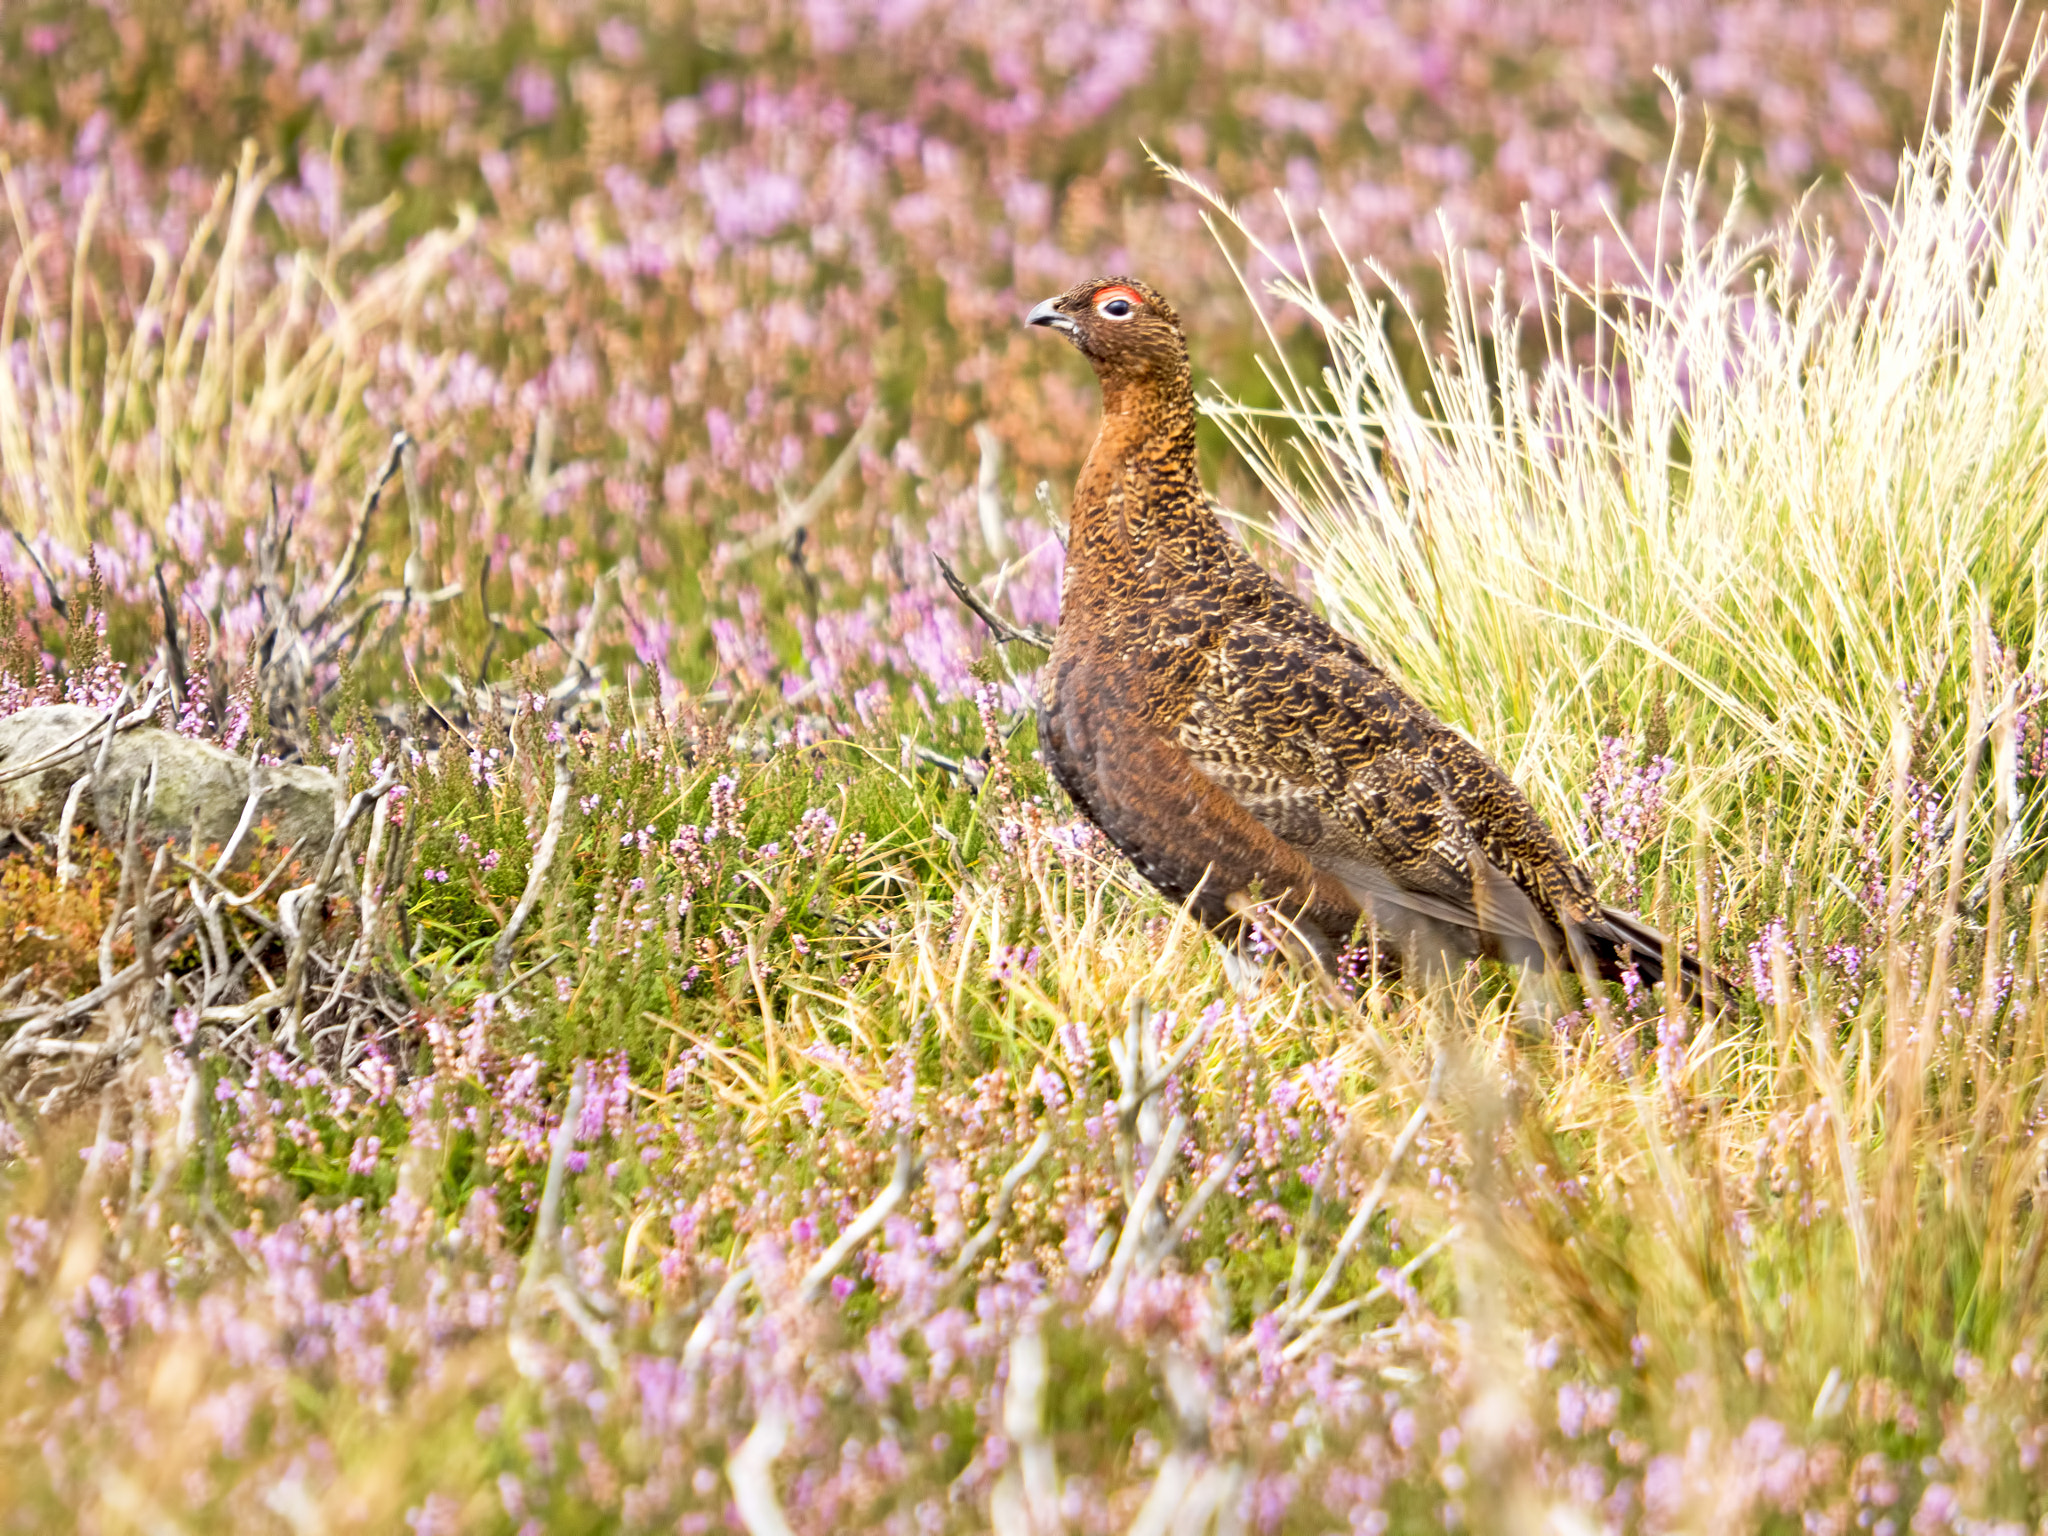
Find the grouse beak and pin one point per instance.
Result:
(1048, 313)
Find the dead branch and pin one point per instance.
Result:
(537, 873)
(998, 1211)
(796, 515)
(547, 1227)
(750, 1471)
(291, 646)
(66, 870)
(216, 964)
(1004, 631)
(139, 887)
(373, 877)
(988, 496)
(300, 920)
(1136, 1057)
(173, 652)
(1362, 1217)
(390, 597)
(228, 898)
(36, 1022)
(1191, 1487)
(57, 603)
(370, 909)
(1321, 1322)
(543, 1272)
(699, 1343)
(575, 1306)
(349, 569)
(1107, 1294)
(1204, 1193)
(1026, 1498)
(248, 819)
(112, 718)
(908, 1166)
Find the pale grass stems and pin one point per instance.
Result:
(225, 368)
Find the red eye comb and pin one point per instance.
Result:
(1118, 291)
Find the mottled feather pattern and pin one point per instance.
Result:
(1231, 743)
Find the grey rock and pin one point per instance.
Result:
(199, 793)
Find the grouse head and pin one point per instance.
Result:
(1123, 327)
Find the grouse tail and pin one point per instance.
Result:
(1621, 940)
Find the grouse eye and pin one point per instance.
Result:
(1116, 303)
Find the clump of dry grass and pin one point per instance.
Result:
(1760, 499)
(219, 361)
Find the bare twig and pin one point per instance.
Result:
(373, 878)
(537, 873)
(138, 886)
(216, 964)
(174, 654)
(40, 1021)
(1321, 1322)
(70, 749)
(99, 762)
(57, 603)
(579, 674)
(797, 515)
(390, 597)
(1025, 1500)
(364, 946)
(1136, 1056)
(520, 978)
(66, 870)
(1140, 1086)
(257, 789)
(1004, 631)
(1362, 1217)
(908, 1166)
(349, 568)
(543, 1272)
(1128, 1244)
(1204, 1193)
(1190, 1487)
(576, 1307)
(988, 493)
(998, 1211)
(751, 1473)
(228, 898)
(698, 1345)
(301, 918)
(541, 1252)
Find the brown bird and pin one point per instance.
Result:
(1247, 757)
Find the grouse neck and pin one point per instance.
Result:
(1139, 510)
(1153, 417)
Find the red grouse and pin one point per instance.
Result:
(1242, 753)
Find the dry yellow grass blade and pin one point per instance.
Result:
(218, 372)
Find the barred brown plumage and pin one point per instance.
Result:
(1238, 749)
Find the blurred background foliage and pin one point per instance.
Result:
(695, 245)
